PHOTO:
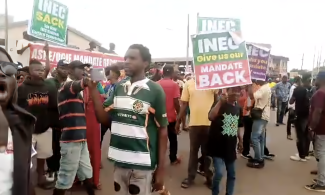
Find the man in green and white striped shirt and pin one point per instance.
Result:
(137, 111)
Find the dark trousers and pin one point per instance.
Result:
(281, 107)
(273, 101)
(289, 123)
(53, 163)
(198, 138)
(173, 144)
(248, 123)
(103, 130)
(303, 141)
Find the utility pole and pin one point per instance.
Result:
(302, 61)
(6, 25)
(187, 43)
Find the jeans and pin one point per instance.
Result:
(258, 138)
(198, 138)
(281, 107)
(74, 161)
(219, 165)
(302, 136)
(319, 148)
(248, 124)
(173, 144)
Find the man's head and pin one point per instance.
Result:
(297, 80)
(320, 79)
(137, 60)
(77, 69)
(112, 47)
(233, 94)
(284, 79)
(36, 70)
(168, 71)
(114, 74)
(92, 45)
(176, 75)
(7, 79)
(62, 69)
(269, 80)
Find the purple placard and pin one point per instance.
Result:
(258, 61)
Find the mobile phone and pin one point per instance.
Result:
(97, 74)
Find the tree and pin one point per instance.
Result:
(301, 72)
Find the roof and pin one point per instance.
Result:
(77, 32)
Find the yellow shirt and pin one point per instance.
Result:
(200, 102)
(262, 100)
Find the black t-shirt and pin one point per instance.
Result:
(222, 140)
(302, 101)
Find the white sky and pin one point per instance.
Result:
(292, 27)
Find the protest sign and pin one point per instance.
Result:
(209, 24)
(98, 60)
(258, 60)
(220, 60)
(49, 21)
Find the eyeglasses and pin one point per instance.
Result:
(8, 68)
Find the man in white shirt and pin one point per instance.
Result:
(262, 99)
(291, 107)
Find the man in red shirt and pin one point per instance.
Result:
(172, 107)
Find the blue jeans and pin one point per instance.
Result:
(258, 138)
(74, 161)
(319, 149)
(219, 165)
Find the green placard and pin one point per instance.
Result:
(49, 21)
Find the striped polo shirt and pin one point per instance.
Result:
(72, 112)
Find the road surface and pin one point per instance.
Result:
(281, 176)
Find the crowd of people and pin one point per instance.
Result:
(63, 120)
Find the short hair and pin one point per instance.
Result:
(297, 79)
(34, 61)
(144, 52)
(116, 70)
(168, 70)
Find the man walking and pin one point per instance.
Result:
(282, 90)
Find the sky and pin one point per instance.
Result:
(293, 28)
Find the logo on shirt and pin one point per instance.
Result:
(137, 106)
(37, 98)
(230, 125)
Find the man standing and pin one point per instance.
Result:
(172, 107)
(317, 130)
(282, 90)
(139, 126)
(291, 107)
(300, 100)
(260, 115)
(199, 102)
(74, 149)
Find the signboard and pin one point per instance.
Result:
(49, 21)
(258, 61)
(220, 60)
(98, 60)
(209, 24)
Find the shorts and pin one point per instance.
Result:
(43, 144)
(132, 181)
(75, 161)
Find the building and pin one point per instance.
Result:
(278, 65)
(18, 30)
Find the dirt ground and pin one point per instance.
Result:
(281, 176)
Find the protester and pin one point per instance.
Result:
(172, 94)
(74, 149)
(260, 115)
(300, 100)
(60, 75)
(316, 129)
(16, 127)
(226, 119)
(40, 100)
(137, 112)
(282, 90)
(199, 102)
(291, 107)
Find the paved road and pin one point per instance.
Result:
(281, 176)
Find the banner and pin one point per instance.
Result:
(220, 60)
(209, 24)
(258, 61)
(98, 60)
(49, 21)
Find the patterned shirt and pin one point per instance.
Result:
(137, 110)
(282, 91)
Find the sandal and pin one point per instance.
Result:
(186, 183)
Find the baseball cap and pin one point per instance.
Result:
(168, 69)
(321, 75)
(78, 64)
(63, 62)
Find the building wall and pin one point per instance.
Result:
(277, 66)
(17, 34)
